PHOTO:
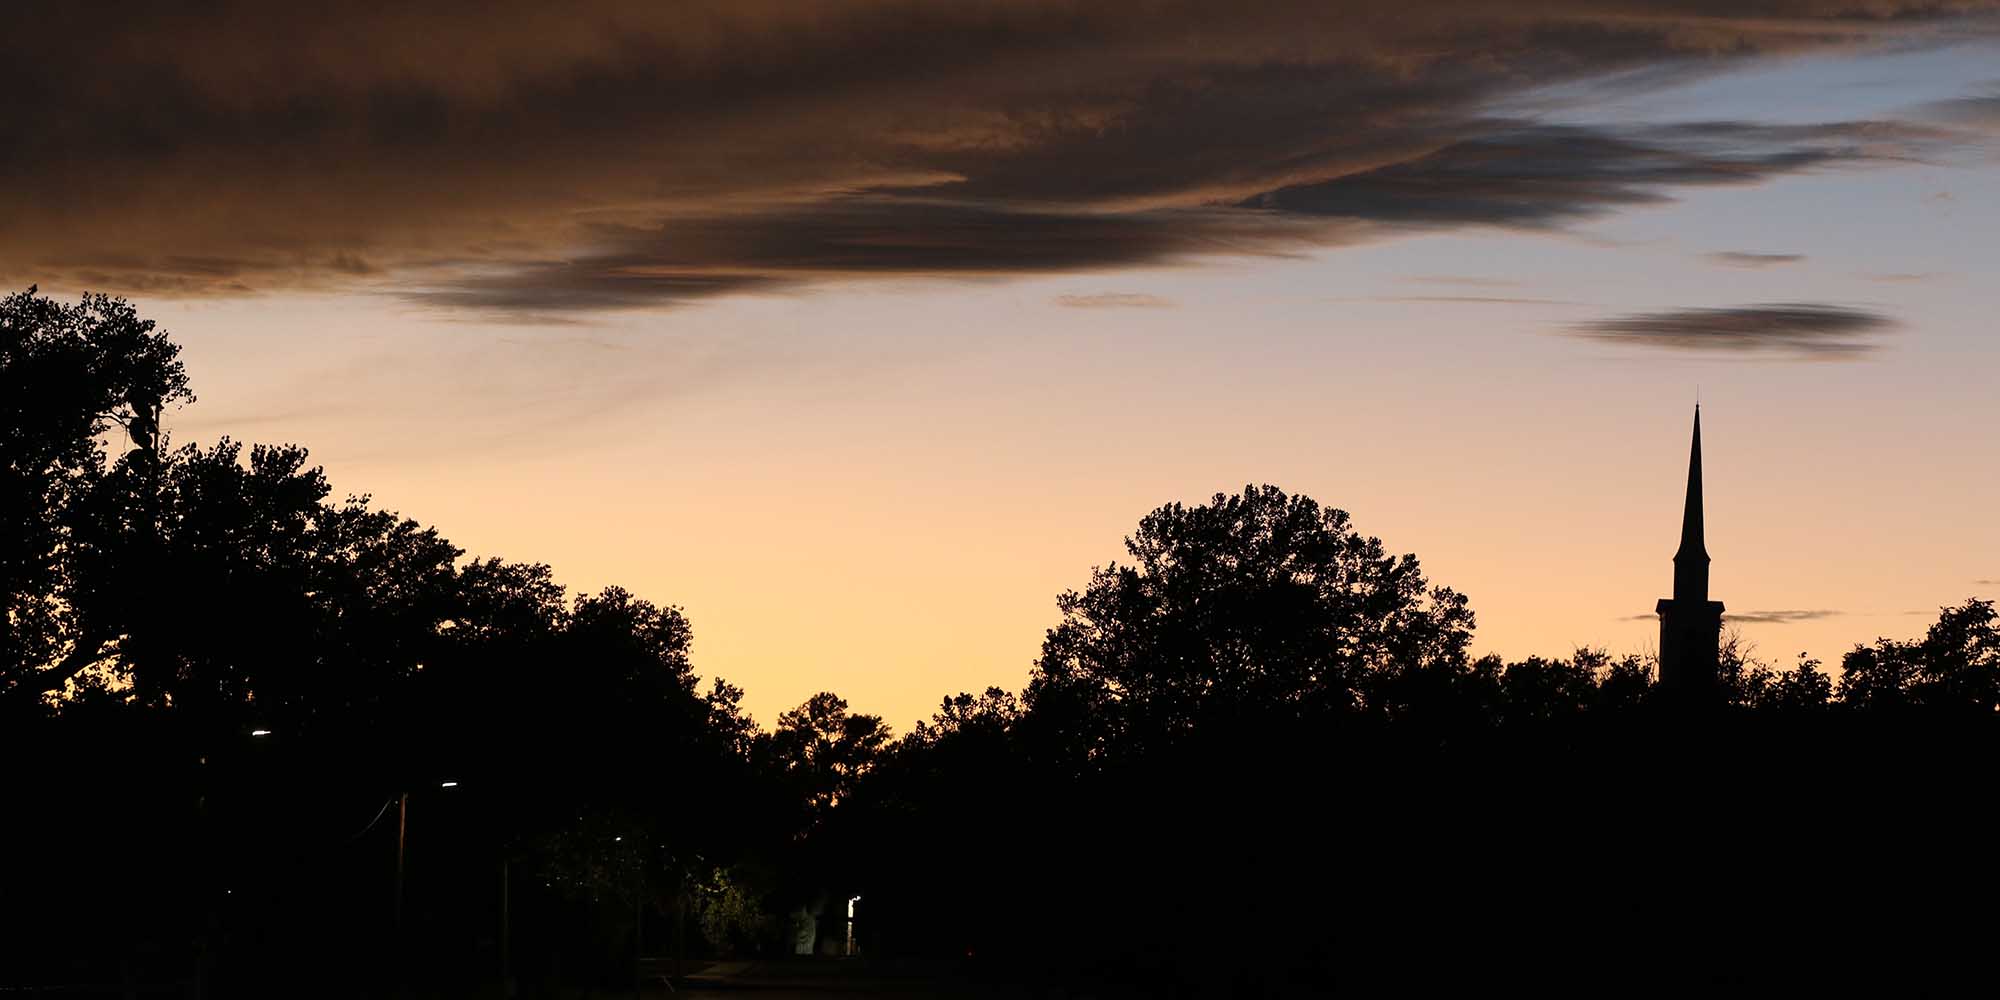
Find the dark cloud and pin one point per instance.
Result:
(849, 236)
(1517, 176)
(536, 159)
(1738, 258)
(1779, 617)
(544, 293)
(1789, 330)
(1114, 300)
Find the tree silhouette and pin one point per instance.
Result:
(69, 375)
(988, 715)
(243, 599)
(825, 750)
(1253, 608)
(1802, 689)
(1955, 667)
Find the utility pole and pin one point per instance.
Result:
(506, 928)
(402, 826)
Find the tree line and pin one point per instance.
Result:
(249, 722)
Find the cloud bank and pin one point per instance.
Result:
(522, 159)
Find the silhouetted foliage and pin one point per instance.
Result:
(1255, 609)
(1955, 667)
(963, 717)
(1803, 688)
(69, 375)
(823, 750)
(257, 669)
(257, 727)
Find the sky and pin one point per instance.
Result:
(862, 330)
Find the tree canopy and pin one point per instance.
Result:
(69, 376)
(1255, 608)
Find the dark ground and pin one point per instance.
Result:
(831, 979)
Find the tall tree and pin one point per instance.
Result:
(1254, 609)
(78, 383)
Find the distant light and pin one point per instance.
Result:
(618, 838)
(260, 732)
(449, 784)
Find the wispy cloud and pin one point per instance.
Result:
(1980, 110)
(1743, 259)
(1798, 331)
(1455, 280)
(1114, 300)
(1528, 175)
(1490, 300)
(1755, 617)
(1778, 617)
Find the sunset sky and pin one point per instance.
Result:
(862, 330)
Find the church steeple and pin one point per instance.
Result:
(1691, 559)
(1690, 623)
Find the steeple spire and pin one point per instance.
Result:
(1691, 560)
(1690, 623)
